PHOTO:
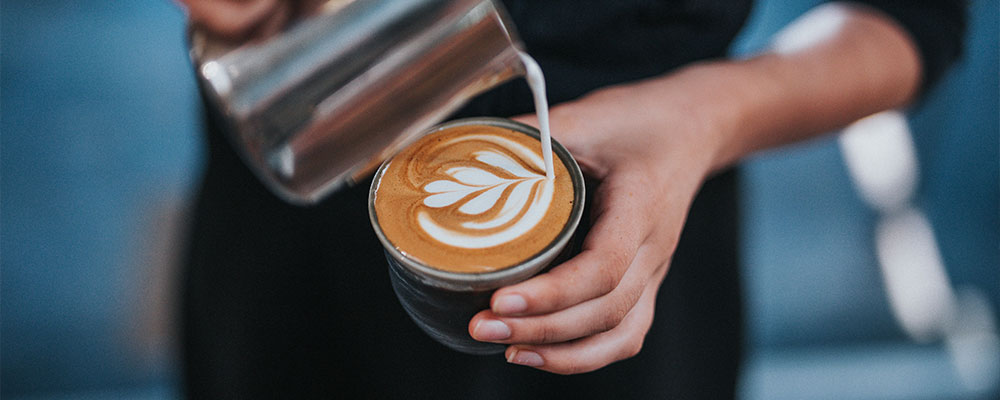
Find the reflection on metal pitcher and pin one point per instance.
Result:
(322, 104)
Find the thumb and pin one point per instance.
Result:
(238, 20)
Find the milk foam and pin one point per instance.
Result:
(486, 190)
(475, 198)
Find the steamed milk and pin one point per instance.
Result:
(536, 81)
(472, 198)
(477, 198)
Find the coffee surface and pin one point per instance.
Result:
(472, 199)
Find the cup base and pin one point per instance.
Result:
(443, 314)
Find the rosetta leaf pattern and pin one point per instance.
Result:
(486, 188)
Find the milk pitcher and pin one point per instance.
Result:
(323, 103)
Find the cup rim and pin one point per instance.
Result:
(502, 277)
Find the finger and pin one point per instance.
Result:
(230, 19)
(594, 352)
(311, 7)
(591, 317)
(273, 23)
(609, 249)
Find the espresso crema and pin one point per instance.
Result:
(472, 199)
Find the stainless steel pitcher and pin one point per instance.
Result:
(323, 103)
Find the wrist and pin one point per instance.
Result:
(724, 99)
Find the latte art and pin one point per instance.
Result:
(472, 198)
(528, 196)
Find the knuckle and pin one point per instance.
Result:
(619, 259)
(608, 277)
(612, 318)
(546, 333)
(618, 308)
(633, 348)
(579, 369)
(574, 368)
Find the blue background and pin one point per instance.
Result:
(100, 150)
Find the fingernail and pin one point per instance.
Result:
(509, 304)
(526, 358)
(491, 329)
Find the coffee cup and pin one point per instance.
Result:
(455, 230)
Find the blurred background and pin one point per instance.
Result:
(872, 258)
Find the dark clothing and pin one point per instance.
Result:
(295, 302)
(937, 27)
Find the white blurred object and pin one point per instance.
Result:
(973, 343)
(881, 160)
(812, 28)
(914, 275)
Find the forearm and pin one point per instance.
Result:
(866, 65)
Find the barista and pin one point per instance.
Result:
(295, 302)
